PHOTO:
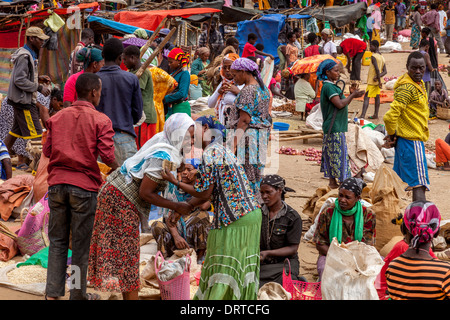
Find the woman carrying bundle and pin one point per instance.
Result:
(346, 220)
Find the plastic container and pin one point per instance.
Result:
(301, 290)
(281, 126)
(367, 57)
(178, 288)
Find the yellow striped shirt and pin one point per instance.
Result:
(409, 112)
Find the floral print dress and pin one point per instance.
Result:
(252, 150)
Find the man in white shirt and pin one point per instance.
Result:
(328, 47)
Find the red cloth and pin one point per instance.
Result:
(249, 50)
(398, 249)
(353, 46)
(312, 51)
(150, 20)
(144, 133)
(442, 151)
(77, 136)
(70, 94)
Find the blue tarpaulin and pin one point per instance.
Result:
(266, 29)
(121, 27)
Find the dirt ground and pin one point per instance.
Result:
(305, 177)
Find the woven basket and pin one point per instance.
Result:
(443, 113)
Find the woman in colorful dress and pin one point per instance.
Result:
(231, 267)
(347, 220)
(177, 100)
(335, 160)
(222, 99)
(124, 203)
(163, 84)
(415, 29)
(251, 119)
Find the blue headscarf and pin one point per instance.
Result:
(212, 123)
(325, 66)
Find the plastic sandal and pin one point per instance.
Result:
(93, 296)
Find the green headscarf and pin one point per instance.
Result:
(141, 33)
(88, 55)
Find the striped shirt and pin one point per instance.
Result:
(408, 113)
(4, 154)
(413, 279)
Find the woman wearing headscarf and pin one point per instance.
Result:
(124, 203)
(163, 84)
(416, 26)
(222, 99)
(335, 160)
(176, 101)
(198, 68)
(415, 274)
(251, 119)
(347, 220)
(281, 230)
(231, 267)
(92, 62)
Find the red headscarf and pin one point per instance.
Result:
(179, 55)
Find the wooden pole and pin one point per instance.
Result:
(20, 31)
(308, 136)
(153, 36)
(155, 53)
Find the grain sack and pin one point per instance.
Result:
(311, 207)
(29, 279)
(350, 272)
(273, 291)
(387, 193)
(388, 246)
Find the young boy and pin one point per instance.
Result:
(5, 162)
(77, 136)
(438, 98)
(146, 130)
(374, 84)
(250, 49)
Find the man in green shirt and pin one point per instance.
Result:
(147, 129)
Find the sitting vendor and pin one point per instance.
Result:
(190, 231)
(281, 230)
(346, 220)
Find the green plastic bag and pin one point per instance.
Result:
(40, 258)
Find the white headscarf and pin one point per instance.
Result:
(170, 141)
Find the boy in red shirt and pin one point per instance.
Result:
(250, 49)
(77, 136)
(354, 51)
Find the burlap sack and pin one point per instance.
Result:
(311, 208)
(273, 291)
(387, 194)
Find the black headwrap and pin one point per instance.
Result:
(277, 182)
(355, 185)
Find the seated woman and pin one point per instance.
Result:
(407, 274)
(346, 219)
(281, 230)
(304, 95)
(443, 153)
(190, 231)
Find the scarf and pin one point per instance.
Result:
(166, 144)
(179, 55)
(277, 182)
(336, 221)
(325, 66)
(88, 55)
(422, 219)
(247, 65)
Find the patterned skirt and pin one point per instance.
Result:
(335, 160)
(231, 267)
(115, 250)
(415, 36)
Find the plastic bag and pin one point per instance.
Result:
(314, 120)
(54, 21)
(350, 272)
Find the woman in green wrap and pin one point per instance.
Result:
(347, 220)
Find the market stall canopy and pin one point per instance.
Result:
(266, 29)
(151, 19)
(102, 25)
(338, 16)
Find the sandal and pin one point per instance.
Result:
(373, 118)
(22, 166)
(93, 296)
